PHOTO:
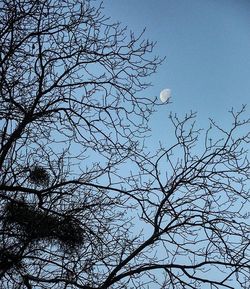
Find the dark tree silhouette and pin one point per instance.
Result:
(84, 205)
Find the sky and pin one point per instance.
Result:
(207, 48)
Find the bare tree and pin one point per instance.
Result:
(83, 203)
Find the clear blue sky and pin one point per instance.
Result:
(207, 49)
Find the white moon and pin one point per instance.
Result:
(165, 94)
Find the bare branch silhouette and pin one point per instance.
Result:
(84, 205)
